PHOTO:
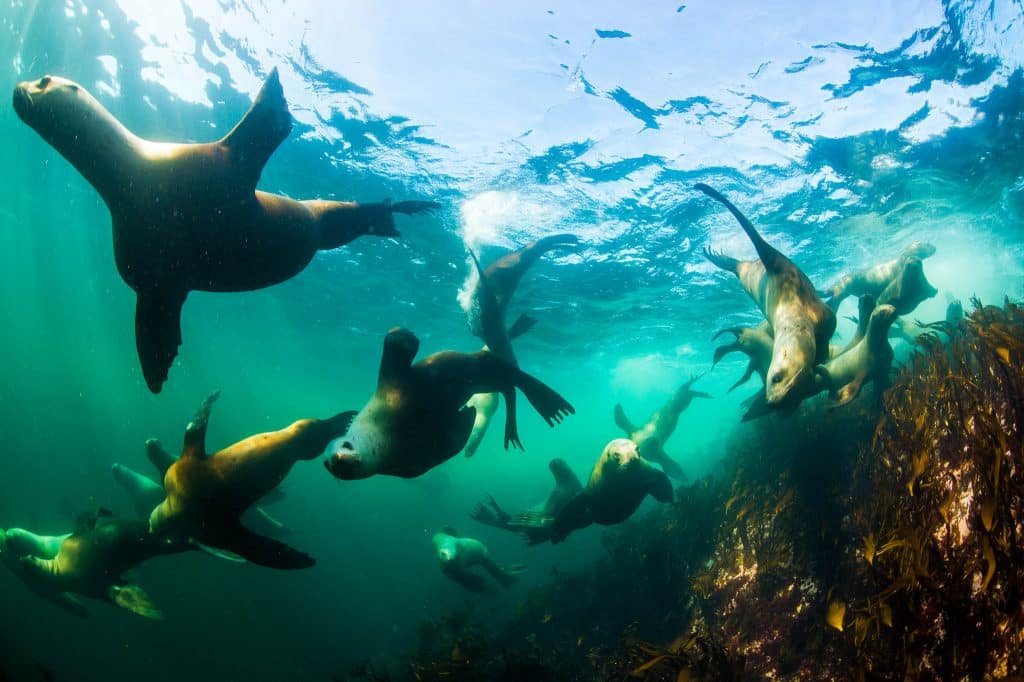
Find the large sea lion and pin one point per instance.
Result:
(801, 323)
(619, 482)
(458, 555)
(188, 217)
(206, 494)
(908, 288)
(566, 487)
(146, 494)
(754, 342)
(872, 281)
(91, 562)
(487, 308)
(417, 417)
(650, 438)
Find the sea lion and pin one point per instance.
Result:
(90, 563)
(566, 487)
(206, 495)
(188, 217)
(146, 493)
(870, 359)
(417, 417)
(908, 288)
(619, 482)
(754, 342)
(873, 281)
(20, 542)
(457, 555)
(801, 323)
(486, 310)
(910, 332)
(650, 438)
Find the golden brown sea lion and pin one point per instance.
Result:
(872, 281)
(908, 288)
(870, 359)
(801, 323)
(619, 482)
(457, 555)
(207, 494)
(417, 417)
(754, 342)
(566, 487)
(90, 563)
(188, 217)
(650, 438)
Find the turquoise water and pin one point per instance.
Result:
(844, 133)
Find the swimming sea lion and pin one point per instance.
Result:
(457, 555)
(146, 493)
(869, 360)
(872, 281)
(20, 542)
(912, 331)
(754, 342)
(91, 561)
(650, 438)
(188, 217)
(566, 487)
(417, 417)
(865, 304)
(908, 288)
(801, 323)
(619, 482)
(206, 495)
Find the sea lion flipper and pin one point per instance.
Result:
(660, 487)
(135, 599)
(523, 324)
(622, 421)
(771, 258)
(261, 130)
(158, 334)
(264, 551)
(158, 456)
(511, 426)
(195, 432)
(743, 379)
(548, 403)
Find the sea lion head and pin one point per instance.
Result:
(914, 277)
(354, 456)
(919, 250)
(559, 468)
(621, 452)
(792, 358)
(444, 545)
(45, 105)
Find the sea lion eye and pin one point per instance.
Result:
(777, 378)
(43, 82)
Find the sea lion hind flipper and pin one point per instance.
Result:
(622, 421)
(158, 456)
(413, 207)
(261, 130)
(264, 551)
(719, 259)
(135, 599)
(771, 258)
(195, 432)
(523, 324)
(534, 527)
(158, 334)
(548, 403)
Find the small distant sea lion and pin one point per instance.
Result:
(90, 563)
(20, 542)
(458, 555)
(873, 281)
(146, 493)
(650, 438)
(754, 342)
(801, 323)
(908, 288)
(417, 417)
(619, 482)
(911, 331)
(188, 217)
(487, 308)
(566, 487)
(206, 494)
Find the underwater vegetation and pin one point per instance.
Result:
(878, 541)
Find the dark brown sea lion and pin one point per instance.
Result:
(801, 323)
(650, 438)
(872, 281)
(91, 563)
(619, 482)
(207, 494)
(566, 487)
(188, 217)
(417, 417)
(457, 555)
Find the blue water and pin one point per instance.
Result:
(845, 132)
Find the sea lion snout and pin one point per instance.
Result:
(345, 465)
(22, 100)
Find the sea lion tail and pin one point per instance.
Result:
(548, 403)
(767, 253)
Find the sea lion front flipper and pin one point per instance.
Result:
(159, 457)
(771, 258)
(743, 379)
(261, 130)
(523, 324)
(135, 599)
(655, 452)
(622, 421)
(195, 432)
(264, 551)
(158, 333)
(660, 487)
(548, 403)
(848, 392)
(757, 407)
